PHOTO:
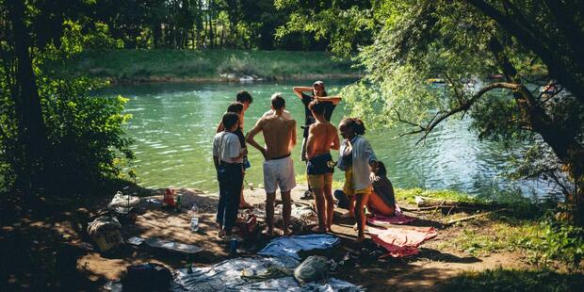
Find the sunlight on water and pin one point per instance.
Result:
(173, 127)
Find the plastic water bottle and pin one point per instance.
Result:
(194, 218)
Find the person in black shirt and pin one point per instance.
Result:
(318, 92)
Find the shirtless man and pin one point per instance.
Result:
(322, 136)
(280, 138)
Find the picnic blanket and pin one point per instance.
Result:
(399, 218)
(231, 275)
(290, 246)
(401, 241)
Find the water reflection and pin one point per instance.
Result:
(174, 124)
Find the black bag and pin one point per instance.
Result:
(147, 277)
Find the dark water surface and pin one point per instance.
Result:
(173, 127)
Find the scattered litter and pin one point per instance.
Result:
(154, 201)
(174, 246)
(105, 231)
(401, 241)
(290, 246)
(135, 240)
(123, 201)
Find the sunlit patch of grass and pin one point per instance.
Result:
(409, 195)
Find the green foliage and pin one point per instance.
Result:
(514, 280)
(555, 240)
(237, 66)
(86, 142)
(140, 64)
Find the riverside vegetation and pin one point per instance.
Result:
(205, 65)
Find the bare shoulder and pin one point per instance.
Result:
(331, 126)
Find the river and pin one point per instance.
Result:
(173, 127)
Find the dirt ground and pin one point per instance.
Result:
(436, 263)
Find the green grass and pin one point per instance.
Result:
(515, 280)
(409, 195)
(207, 64)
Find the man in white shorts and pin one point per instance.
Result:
(280, 138)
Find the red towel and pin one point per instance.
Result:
(401, 241)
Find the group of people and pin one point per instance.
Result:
(366, 182)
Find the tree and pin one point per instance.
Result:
(530, 42)
(54, 138)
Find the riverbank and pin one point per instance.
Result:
(502, 248)
(135, 66)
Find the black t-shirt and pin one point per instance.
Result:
(309, 120)
(241, 137)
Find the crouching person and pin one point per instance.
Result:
(228, 159)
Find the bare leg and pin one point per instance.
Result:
(287, 210)
(330, 202)
(242, 203)
(270, 197)
(351, 208)
(319, 200)
(361, 201)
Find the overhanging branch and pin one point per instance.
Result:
(441, 116)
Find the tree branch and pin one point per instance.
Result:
(441, 116)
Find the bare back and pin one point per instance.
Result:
(322, 137)
(279, 135)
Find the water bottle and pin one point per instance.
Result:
(194, 218)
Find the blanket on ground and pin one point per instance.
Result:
(401, 241)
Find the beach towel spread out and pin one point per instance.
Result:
(290, 246)
(401, 241)
(398, 218)
(234, 275)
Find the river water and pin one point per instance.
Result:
(173, 127)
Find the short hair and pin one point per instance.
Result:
(243, 97)
(235, 107)
(356, 124)
(317, 107)
(381, 170)
(230, 119)
(278, 102)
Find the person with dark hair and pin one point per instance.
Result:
(358, 161)
(319, 93)
(382, 199)
(228, 159)
(245, 98)
(280, 138)
(322, 137)
(238, 108)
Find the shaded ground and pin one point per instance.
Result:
(51, 252)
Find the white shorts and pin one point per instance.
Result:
(279, 172)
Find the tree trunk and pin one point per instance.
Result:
(32, 133)
(564, 143)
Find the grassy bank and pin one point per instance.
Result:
(207, 65)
